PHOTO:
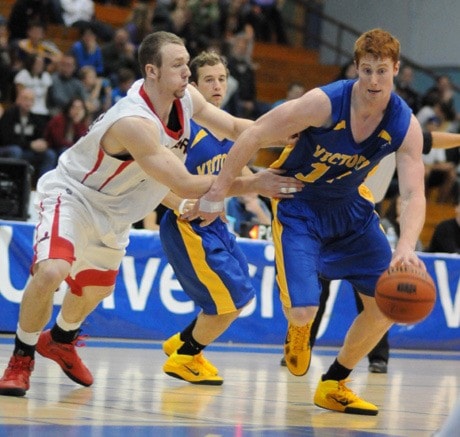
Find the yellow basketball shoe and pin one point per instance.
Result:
(190, 368)
(297, 350)
(174, 342)
(336, 396)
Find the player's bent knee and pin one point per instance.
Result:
(51, 272)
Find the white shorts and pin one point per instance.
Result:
(69, 229)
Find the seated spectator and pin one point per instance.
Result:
(248, 209)
(444, 90)
(119, 53)
(126, 78)
(348, 71)
(98, 91)
(139, 22)
(294, 91)
(36, 44)
(87, 50)
(266, 19)
(34, 76)
(405, 88)
(67, 127)
(446, 235)
(21, 135)
(439, 172)
(245, 104)
(65, 85)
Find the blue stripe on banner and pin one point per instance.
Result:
(149, 304)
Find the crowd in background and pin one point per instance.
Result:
(49, 97)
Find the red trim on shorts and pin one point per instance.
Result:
(119, 170)
(180, 113)
(100, 157)
(92, 277)
(60, 248)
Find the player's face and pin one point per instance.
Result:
(376, 77)
(212, 83)
(174, 72)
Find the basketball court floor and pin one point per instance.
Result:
(131, 396)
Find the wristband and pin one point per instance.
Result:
(182, 206)
(208, 206)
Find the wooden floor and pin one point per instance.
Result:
(131, 396)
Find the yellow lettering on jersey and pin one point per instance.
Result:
(213, 165)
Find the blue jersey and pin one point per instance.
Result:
(205, 153)
(207, 261)
(329, 160)
(330, 228)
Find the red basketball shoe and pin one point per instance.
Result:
(15, 380)
(66, 356)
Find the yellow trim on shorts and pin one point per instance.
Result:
(218, 292)
(277, 231)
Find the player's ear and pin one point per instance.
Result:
(151, 71)
(396, 68)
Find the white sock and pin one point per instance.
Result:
(29, 338)
(66, 326)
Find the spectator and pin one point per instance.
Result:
(36, 44)
(65, 85)
(21, 135)
(295, 90)
(247, 209)
(67, 127)
(348, 71)
(126, 78)
(87, 50)
(98, 92)
(246, 104)
(446, 236)
(204, 24)
(34, 76)
(266, 19)
(139, 23)
(444, 89)
(405, 88)
(119, 53)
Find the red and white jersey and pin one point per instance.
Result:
(116, 186)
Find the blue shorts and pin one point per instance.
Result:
(342, 239)
(208, 263)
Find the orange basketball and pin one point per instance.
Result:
(405, 294)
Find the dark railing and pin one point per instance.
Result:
(308, 31)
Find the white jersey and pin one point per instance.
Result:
(114, 186)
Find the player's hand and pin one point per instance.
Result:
(271, 183)
(405, 255)
(186, 206)
(207, 211)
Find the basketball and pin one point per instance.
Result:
(405, 294)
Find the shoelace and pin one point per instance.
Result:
(80, 340)
(16, 364)
(345, 393)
